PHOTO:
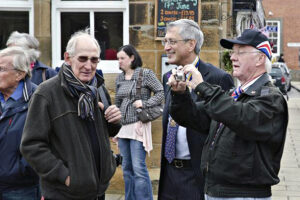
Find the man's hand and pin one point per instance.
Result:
(138, 104)
(67, 181)
(176, 86)
(112, 114)
(196, 76)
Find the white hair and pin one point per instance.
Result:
(21, 58)
(268, 64)
(71, 46)
(26, 41)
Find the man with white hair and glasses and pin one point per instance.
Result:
(18, 181)
(180, 176)
(247, 126)
(66, 135)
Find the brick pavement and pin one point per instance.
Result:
(289, 186)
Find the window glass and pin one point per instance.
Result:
(109, 33)
(70, 23)
(12, 21)
(274, 35)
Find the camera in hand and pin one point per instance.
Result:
(179, 76)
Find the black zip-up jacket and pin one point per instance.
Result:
(243, 159)
(56, 143)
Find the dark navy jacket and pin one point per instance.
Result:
(37, 71)
(15, 172)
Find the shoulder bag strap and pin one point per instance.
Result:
(103, 97)
(139, 85)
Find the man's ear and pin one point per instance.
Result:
(67, 58)
(20, 75)
(261, 59)
(192, 45)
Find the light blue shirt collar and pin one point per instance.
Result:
(16, 95)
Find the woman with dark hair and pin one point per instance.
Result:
(134, 138)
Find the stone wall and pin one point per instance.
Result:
(42, 28)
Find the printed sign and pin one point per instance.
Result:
(167, 11)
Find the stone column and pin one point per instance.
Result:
(42, 28)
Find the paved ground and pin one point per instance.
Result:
(289, 186)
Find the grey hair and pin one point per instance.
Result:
(189, 29)
(21, 58)
(71, 46)
(25, 41)
(268, 64)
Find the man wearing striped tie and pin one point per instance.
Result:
(241, 157)
(180, 174)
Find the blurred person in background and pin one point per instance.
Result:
(135, 138)
(40, 71)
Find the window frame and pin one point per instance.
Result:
(58, 6)
(278, 35)
(20, 5)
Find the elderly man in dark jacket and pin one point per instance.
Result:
(241, 157)
(17, 179)
(66, 135)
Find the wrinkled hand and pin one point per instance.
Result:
(176, 86)
(138, 104)
(196, 75)
(67, 181)
(112, 114)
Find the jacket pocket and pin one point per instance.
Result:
(82, 182)
(233, 160)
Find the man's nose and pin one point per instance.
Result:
(233, 57)
(167, 47)
(88, 64)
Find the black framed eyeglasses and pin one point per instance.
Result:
(172, 42)
(84, 59)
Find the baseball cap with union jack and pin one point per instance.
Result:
(253, 38)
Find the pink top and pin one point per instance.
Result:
(138, 131)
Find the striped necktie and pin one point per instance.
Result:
(237, 92)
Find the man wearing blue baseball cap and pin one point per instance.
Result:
(247, 126)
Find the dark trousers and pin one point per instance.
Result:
(26, 193)
(180, 184)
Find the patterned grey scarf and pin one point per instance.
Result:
(85, 92)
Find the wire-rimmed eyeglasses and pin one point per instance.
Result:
(238, 52)
(172, 42)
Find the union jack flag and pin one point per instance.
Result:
(265, 48)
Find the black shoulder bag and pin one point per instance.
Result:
(146, 114)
